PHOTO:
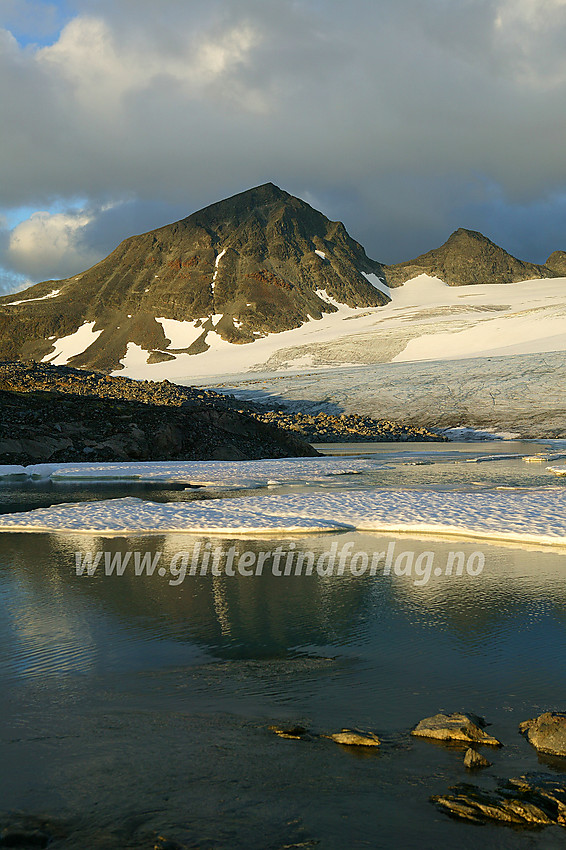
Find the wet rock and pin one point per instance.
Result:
(547, 787)
(533, 800)
(474, 760)
(467, 728)
(294, 732)
(355, 738)
(547, 732)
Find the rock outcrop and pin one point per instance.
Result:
(461, 728)
(557, 262)
(64, 415)
(533, 800)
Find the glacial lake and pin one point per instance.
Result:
(132, 707)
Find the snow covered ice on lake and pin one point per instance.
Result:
(522, 516)
(223, 474)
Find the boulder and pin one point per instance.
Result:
(474, 760)
(355, 738)
(467, 728)
(547, 732)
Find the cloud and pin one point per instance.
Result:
(50, 244)
(398, 118)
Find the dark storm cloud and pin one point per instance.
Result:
(405, 120)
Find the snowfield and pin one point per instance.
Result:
(71, 345)
(424, 320)
(522, 395)
(518, 516)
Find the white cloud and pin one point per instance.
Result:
(386, 112)
(49, 244)
(101, 70)
(530, 35)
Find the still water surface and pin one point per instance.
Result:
(132, 708)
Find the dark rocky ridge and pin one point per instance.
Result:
(66, 414)
(267, 280)
(58, 414)
(347, 428)
(468, 257)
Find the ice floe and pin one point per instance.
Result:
(214, 473)
(521, 516)
(136, 516)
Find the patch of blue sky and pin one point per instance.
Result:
(35, 23)
(11, 281)
(14, 216)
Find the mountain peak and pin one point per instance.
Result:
(464, 233)
(259, 262)
(468, 257)
(557, 262)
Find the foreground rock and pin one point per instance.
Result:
(474, 760)
(321, 427)
(547, 733)
(467, 728)
(355, 738)
(64, 415)
(533, 800)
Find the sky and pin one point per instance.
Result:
(405, 119)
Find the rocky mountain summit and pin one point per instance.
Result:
(468, 257)
(557, 262)
(262, 261)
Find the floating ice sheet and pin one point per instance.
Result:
(213, 473)
(527, 515)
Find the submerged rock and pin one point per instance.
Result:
(532, 800)
(355, 738)
(474, 760)
(294, 732)
(16, 837)
(467, 728)
(547, 732)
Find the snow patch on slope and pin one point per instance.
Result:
(52, 294)
(71, 345)
(180, 334)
